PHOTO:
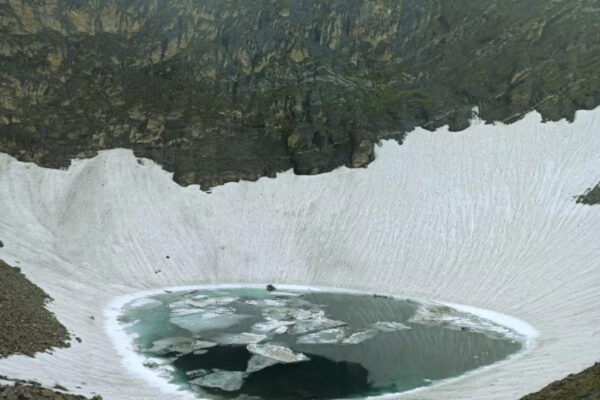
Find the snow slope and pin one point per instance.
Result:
(484, 218)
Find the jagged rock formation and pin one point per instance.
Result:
(222, 90)
(591, 196)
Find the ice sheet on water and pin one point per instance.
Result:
(271, 325)
(342, 335)
(388, 326)
(359, 337)
(228, 381)
(279, 353)
(287, 294)
(281, 330)
(304, 320)
(146, 302)
(185, 311)
(258, 362)
(314, 324)
(207, 321)
(327, 336)
(179, 344)
(450, 318)
(239, 338)
(197, 373)
(212, 301)
(291, 313)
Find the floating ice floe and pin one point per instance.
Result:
(239, 338)
(258, 362)
(185, 311)
(273, 302)
(327, 336)
(212, 301)
(195, 294)
(161, 365)
(359, 337)
(146, 302)
(287, 294)
(272, 325)
(439, 315)
(199, 322)
(315, 324)
(388, 326)
(291, 314)
(179, 344)
(197, 373)
(342, 335)
(179, 304)
(281, 330)
(280, 353)
(229, 381)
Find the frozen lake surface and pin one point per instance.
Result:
(252, 343)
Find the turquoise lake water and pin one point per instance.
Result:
(259, 344)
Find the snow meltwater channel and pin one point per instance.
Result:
(254, 343)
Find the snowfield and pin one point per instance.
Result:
(484, 218)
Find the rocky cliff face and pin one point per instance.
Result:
(222, 90)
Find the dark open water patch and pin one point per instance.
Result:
(259, 344)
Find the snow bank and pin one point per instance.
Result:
(484, 217)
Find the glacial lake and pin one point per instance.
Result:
(250, 343)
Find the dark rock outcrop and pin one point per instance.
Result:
(582, 386)
(222, 90)
(30, 390)
(591, 196)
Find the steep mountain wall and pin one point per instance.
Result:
(222, 90)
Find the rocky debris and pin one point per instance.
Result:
(217, 96)
(28, 391)
(590, 197)
(270, 288)
(26, 326)
(582, 386)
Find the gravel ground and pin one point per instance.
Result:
(26, 326)
(582, 386)
(30, 390)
